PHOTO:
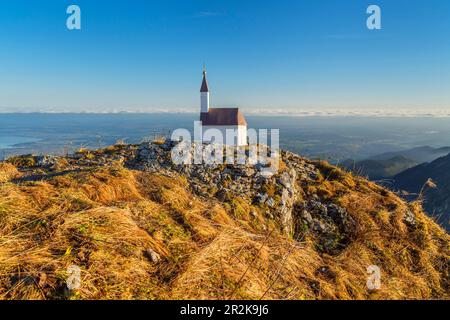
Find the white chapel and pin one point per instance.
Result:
(222, 118)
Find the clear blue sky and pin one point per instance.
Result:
(284, 54)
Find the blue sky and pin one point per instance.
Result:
(284, 54)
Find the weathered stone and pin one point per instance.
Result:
(285, 180)
(152, 255)
(410, 218)
(261, 198)
(245, 180)
(45, 161)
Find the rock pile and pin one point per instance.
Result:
(329, 222)
(277, 194)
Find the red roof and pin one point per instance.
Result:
(204, 87)
(223, 117)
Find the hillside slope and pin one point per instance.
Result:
(436, 200)
(140, 227)
(379, 169)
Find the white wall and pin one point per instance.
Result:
(240, 130)
(204, 101)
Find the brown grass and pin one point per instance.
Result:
(8, 172)
(25, 161)
(105, 220)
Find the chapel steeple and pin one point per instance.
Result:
(204, 87)
(204, 94)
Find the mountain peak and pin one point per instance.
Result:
(128, 215)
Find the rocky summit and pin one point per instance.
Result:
(275, 194)
(140, 226)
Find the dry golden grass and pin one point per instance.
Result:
(8, 172)
(106, 220)
(159, 140)
(21, 161)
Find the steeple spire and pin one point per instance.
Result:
(204, 93)
(204, 87)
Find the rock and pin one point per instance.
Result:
(321, 227)
(341, 218)
(45, 161)
(246, 180)
(266, 174)
(285, 197)
(167, 145)
(285, 180)
(307, 217)
(261, 198)
(410, 218)
(246, 172)
(330, 222)
(318, 208)
(224, 195)
(152, 255)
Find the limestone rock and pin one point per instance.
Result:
(152, 255)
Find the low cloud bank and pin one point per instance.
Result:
(301, 112)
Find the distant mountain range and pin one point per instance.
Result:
(419, 155)
(436, 200)
(389, 164)
(379, 169)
